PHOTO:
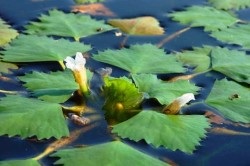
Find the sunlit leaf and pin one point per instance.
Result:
(68, 25)
(93, 9)
(234, 64)
(138, 26)
(29, 48)
(5, 67)
(26, 162)
(231, 100)
(145, 58)
(230, 4)
(108, 154)
(197, 58)
(204, 16)
(182, 132)
(6, 33)
(164, 92)
(27, 117)
(238, 34)
(121, 99)
(54, 87)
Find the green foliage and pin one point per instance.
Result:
(230, 4)
(121, 99)
(231, 100)
(204, 16)
(108, 154)
(29, 48)
(182, 132)
(145, 58)
(67, 25)
(4, 67)
(29, 117)
(6, 33)
(54, 87)
(237, 34)
(198, 58)
(234, 64)
(164, 92)
(27, 162)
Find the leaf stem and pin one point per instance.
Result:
(172, 36)
(62, 64)
(9, 92)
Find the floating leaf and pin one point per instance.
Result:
(234, 64)
(138, 26)
(230, 4)
(6, 33)
(197, 58)
(4, 67)
(29, 48)
(222, 130)
(231, 100)
(145, 58)
(54, 87)
(182, 132)
(121, 98)
(238, 34)
(203, 16)
(109, 154)
(87, 1)
(27, 162)
(29, 117)
(164, 92)
(68, 25)
(93, 9)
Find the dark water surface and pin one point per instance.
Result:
(215, 150)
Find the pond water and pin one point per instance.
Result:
(230, 150)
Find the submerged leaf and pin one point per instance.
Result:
(54, 87)
(26, 162)
(164, 92)
(6, 33)
(138, 26)
(231, 100)
(230, 4)
(4, 67)
(121, 99)
(67, 25)
(93, 9)
(182, 132)
(29, 48)
(234, 64)
(238, 34)
(87, 1)
(204, 16)
(109, 154)
(145, 58)
(34, 118)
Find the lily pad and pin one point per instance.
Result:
(164, 92)
(34, 118)
(231, 100)
(110, 154)
(210, 18)
(230, 4)
(138, 26)
(53, 87)
(67, 25)
(145, 58)
(30, 48)
(183, 132)
(27, 162)
(6, 33)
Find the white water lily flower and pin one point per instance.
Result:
(184, 99)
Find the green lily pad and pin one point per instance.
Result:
(67, 25)
(29, 48)
(6, 33)
(164, 92)
(5, 67)
(145, 58)
(109, 154)
(27, 117)
(183, 132)
(210, 18)
(231, 100)
(230, 4)
(53, 87)
(121, 99)
(234, 64)
(238, 34)
(27, 162)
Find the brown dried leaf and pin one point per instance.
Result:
(221, 130)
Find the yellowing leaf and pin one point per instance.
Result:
(6, 33)
(4, 67)
(138, 26)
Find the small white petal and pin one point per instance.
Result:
(184, 99)
(79, 59)
(70, 63)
